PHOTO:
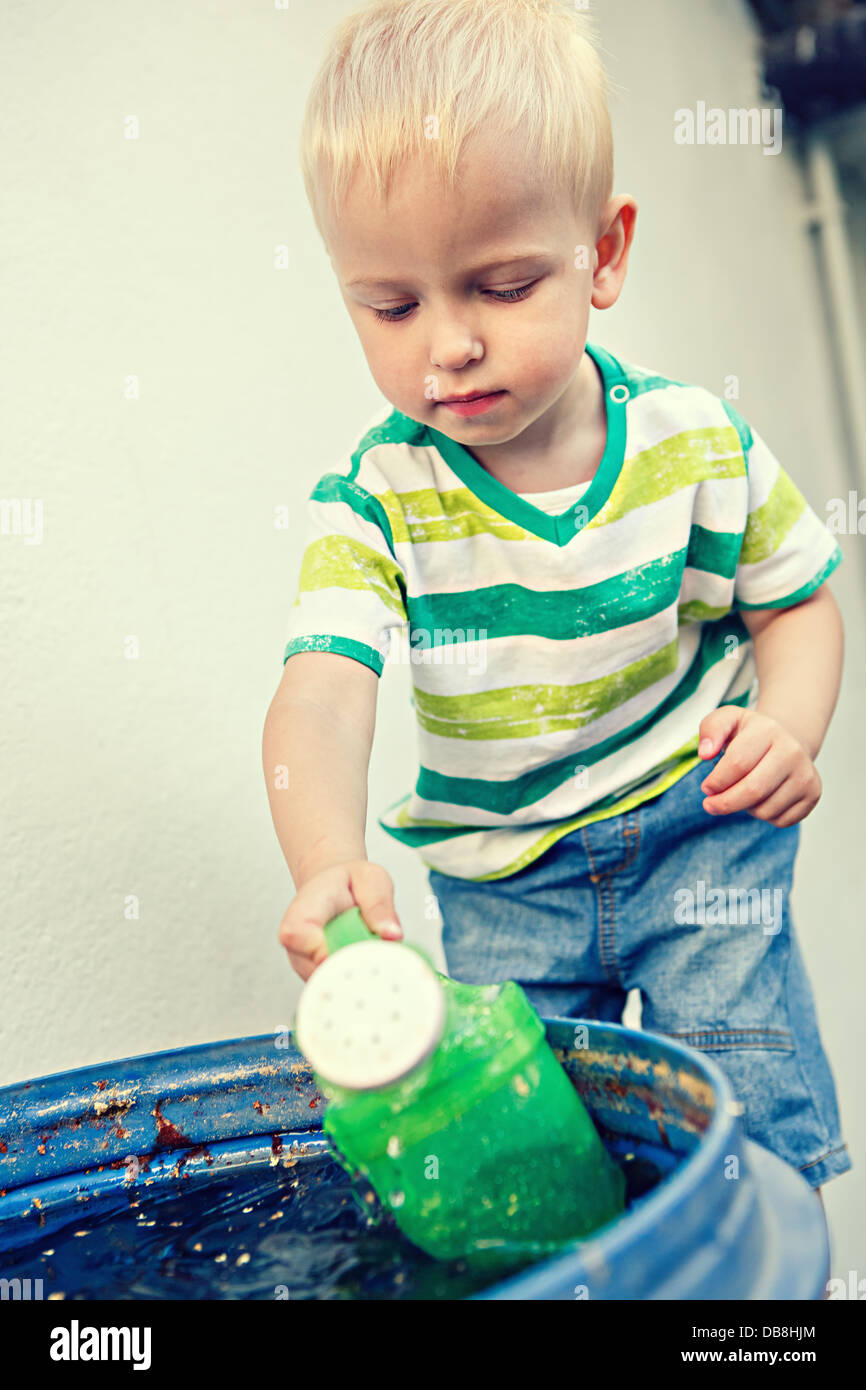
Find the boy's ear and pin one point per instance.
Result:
(618, 220)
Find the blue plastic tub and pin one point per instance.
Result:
(235, 1127)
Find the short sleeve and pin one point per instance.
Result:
(351, 590)
(787, 552)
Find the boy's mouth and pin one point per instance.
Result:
(472, 404)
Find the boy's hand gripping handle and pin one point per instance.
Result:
(367, 1018)
(346, 929)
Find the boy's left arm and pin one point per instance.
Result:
(768, 766)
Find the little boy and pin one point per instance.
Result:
(609, 582)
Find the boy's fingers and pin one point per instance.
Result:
(716, 728)
(741, 756)
(374, 894)
(301, 928)
(365, 886)
(764, 780)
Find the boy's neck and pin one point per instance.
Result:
(564, 446)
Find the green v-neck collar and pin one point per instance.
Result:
(563, 528)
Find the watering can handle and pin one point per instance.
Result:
(346, 929)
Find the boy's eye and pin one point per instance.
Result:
(392, 315)
(503, 296)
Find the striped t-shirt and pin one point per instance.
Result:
(561, 660)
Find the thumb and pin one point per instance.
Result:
(373, 891)
(716, 728)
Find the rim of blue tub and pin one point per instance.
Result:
(108, 1104)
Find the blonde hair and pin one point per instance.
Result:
(399, 71)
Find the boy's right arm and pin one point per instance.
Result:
(319, 726)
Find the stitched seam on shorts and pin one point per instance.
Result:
(829, 1154)
(607, 942)
(774, 1039)
(810, 1091)
(605, 894)
(718, 1032)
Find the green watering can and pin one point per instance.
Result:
(447, 1098)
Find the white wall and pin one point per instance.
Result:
(155, 258)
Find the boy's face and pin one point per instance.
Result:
(445, 325)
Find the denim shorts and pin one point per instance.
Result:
(691, 909)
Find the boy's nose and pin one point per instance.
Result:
(453, 346)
